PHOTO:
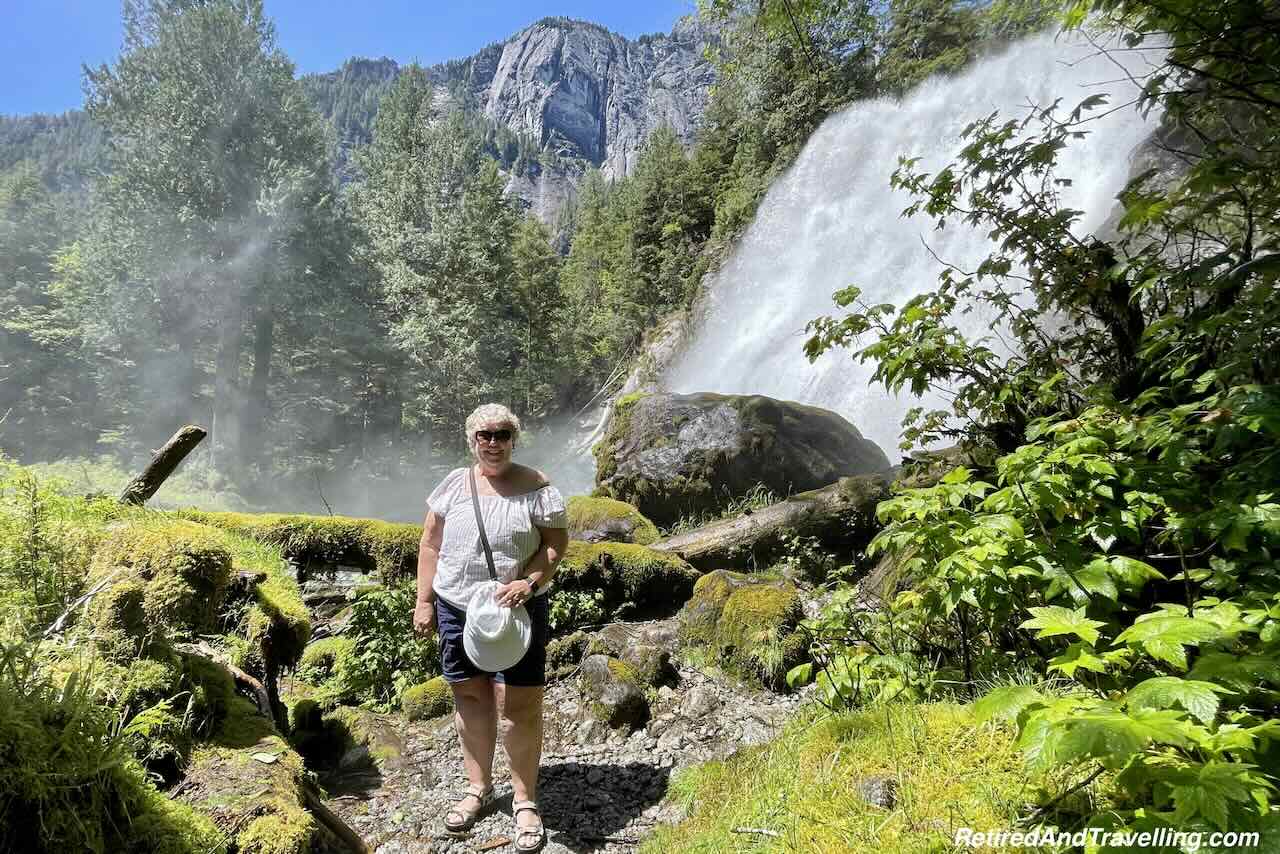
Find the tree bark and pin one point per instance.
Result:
(841, 516)
(253, 425)
(162, 465)
(226, 403)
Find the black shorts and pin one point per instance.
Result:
(455, 666)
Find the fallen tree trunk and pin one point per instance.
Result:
(840, 516)
(261, 698)
(162, 465)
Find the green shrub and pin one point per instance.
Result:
(1123, 537)
(46, 543)
(378, 658)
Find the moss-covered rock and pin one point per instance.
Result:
(389, 548)
(430, 699)
(565, 653)
(647, 650)
(321, 659)
(679, 455)
(613, 692)
(747, 623)
(250, 783)
(625, 580)
(167, 577)
(305, 714)
(330, 665)
(368, 736)
(595, 520)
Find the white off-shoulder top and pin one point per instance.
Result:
(511, 524)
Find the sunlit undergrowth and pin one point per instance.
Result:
(948, 772)
(192, 485)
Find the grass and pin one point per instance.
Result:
(950, 772)
(758, 496)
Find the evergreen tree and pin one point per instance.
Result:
(535, 268)
(440, 231)
(46, 395)
(217, 169)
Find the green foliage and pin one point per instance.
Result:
(381, 656)
(67, 761)
(805, 785)
(46, 543)
(1124, 536)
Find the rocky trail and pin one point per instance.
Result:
(601, 789)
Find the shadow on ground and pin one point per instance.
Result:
(586, 805)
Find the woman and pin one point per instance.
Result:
(524, 519)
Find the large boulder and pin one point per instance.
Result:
(674, 455)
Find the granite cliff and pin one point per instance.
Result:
(590, 94)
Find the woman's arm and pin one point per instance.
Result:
(424, 613)
(540, 568)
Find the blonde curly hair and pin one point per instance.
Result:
(491, 413)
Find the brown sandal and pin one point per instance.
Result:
(460, 820)
(532, 837)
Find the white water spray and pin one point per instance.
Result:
(832, 220)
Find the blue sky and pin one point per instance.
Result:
(43, 43)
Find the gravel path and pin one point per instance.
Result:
(600, 790)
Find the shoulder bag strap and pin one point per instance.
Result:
(484, 540)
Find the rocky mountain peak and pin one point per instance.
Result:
(589, 93)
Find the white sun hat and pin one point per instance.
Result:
(495, 637)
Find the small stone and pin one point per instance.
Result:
(878, 791)
(699, 702)
(595, 776)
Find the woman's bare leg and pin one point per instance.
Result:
(476, 719)
(522, 736)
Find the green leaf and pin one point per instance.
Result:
(1112, 737)
(1006, 703)
(801, 674)
(1078, 656)
(1216, 785)
(1054, 620)
(1162, 692)
(1163, 635)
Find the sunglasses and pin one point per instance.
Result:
(485, 437)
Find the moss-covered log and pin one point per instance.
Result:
(840, 516)
(625, 580)
(389, 548)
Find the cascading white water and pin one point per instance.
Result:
(832, 220)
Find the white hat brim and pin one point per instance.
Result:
(504, 651)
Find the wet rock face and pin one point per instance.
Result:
(672, 455)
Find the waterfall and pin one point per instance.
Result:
(832, 220)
